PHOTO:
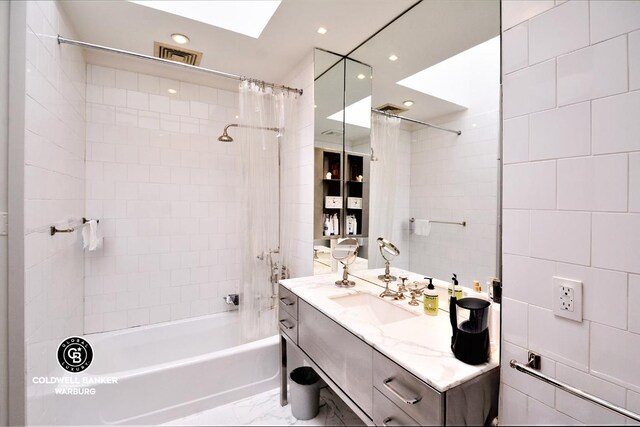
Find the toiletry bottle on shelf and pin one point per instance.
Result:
(336, 225)
(430, 299)
(349, 225)
(476, 286)
(456, 287)
(355, 225)
(326, 228)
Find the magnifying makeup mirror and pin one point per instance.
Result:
(388, 251)
(346, 252)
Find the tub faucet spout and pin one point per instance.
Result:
(232, 299)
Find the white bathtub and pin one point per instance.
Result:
(170, 370)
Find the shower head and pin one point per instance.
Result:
(225, 136)
(373, 156)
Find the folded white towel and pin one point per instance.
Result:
(91, 238)
(422, 227)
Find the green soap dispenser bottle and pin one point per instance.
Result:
(430, 299)
(456, 287)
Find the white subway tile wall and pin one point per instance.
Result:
(571, 201)
(54, 194)
(167, 197)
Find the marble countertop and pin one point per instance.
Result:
(420, 344)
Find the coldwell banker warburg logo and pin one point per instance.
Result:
(75, 354)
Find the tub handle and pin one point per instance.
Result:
(286, 301)
(286, 324)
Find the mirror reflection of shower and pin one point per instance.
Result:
(225, 137)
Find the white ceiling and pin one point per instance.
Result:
(289, 36)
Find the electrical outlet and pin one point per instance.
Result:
(567, 298)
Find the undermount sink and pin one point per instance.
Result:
(372, 309)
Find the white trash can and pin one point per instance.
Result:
(305, 393)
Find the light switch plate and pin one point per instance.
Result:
(567, 298)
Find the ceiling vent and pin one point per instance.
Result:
(177, 54)
(332, 132)
(392, 109)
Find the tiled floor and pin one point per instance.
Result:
(264, 409)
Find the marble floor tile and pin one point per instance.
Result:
(264, 410)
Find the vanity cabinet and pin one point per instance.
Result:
(379, 390)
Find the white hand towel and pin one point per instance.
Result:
(90, 236)
(422, 227)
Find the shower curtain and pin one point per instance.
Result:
(385, 132)
(264, 251)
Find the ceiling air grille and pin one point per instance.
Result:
(392, 109)
(177, 54)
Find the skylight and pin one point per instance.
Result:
(450, 79)
(248, 17)
(358, 113)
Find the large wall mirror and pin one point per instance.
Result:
(342, 157)
(433, 192)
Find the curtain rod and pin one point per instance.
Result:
(457, 132)
(177, 64)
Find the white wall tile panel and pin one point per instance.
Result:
(610, 18)
(561, 236)
(615, 241)
(561, 30)
(562, 132)
(593, 72)
(515, 140)
(515, 48)
(615, 123)
(517, 11)
(529, 90)
(596, 183)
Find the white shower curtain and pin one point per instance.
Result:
(261, 108)
(385, 132)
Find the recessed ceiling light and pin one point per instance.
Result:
(361, 76)
(172, 91)
(180, 38)
(408, 103)
(248, 17)
(322, 30)
(393, 58)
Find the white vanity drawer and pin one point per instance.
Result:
(289, 325)
(417, 399)
(288, 301)
(386, 413)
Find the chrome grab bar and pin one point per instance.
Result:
(530, 369)
(408, 401)
(286, 325)
(462, 223)
(286, 301)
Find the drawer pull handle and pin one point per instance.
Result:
(287, 302)
(286, 324)
(408, 401)
(386, 421)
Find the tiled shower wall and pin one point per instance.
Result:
(455, 178)
(571, 205)
(54, 194)
(166, 193)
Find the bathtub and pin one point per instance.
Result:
(168, 371)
